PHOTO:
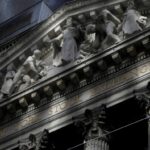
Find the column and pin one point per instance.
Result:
(144, 101)
(95, 137)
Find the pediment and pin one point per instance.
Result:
(49, 42)
(31, 73)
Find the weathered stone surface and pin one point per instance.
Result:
(48, 91)
(116, 58)
(74, 78)
(61, 84)
(102, 65)
(88, 71)
(132, 51)
(23, 102)
(35, 97)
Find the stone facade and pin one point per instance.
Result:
(85, 56)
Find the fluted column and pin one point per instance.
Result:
(95, 137)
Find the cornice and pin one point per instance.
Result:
(78, 106)
(61, 72)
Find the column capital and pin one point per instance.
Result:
(94, 129)
(144, 101)
(92, 123)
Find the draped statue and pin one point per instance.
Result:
(6, 88)
(57, 59)
(132, 21)
(70, 51)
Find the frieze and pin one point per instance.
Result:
(67, 104)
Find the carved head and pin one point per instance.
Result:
(26, 79)
(131, 4)
(104, 14)
(69, 21)
(37, 54)
(91, 28)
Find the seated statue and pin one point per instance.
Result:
(6, 88)
(86, 49)
(94, 35)
(34, 66)
(132, 21)
(25, 82)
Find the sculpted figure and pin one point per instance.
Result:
(26, 81)
(87, 47)
(111, 23)
(95, 33)
(28, 145)
(132, 21)
(57, 61)
(69, 49)
(8, 81)
(34, 66)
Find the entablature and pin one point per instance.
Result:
(80, 83)
(62, 80)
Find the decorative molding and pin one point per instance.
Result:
(55, 109)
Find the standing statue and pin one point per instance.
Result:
(8, 81)
(132, 21)
(57, 61)
(69, 49)
(103, 33)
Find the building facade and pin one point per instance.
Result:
(80, 80)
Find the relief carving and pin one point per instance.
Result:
(6, 88)
(69, 49)
(79, 39)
